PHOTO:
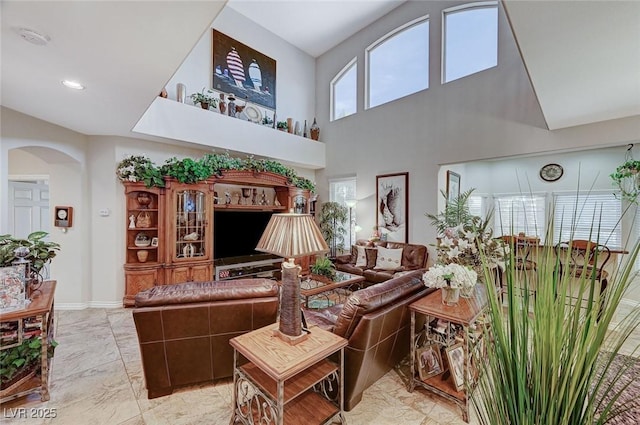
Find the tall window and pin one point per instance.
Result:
(398, 63)
(469, 39)
(594, 216)
(519, 213)
(343, 91)
(343, 191)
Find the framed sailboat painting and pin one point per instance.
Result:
(243, 71)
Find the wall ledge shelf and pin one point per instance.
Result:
(180, 121)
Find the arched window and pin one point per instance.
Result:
(469, 39)
(398, 63)
(343, 91)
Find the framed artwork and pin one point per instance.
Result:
(247, 73)
(453, 185)
(392, 204)
(12, 288)
(455, 357)
(154, 241)
(429, 361)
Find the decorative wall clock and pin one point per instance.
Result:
(551, 172)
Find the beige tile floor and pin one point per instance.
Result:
(97, 378)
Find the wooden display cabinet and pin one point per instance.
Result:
(189, 255)
(145, 231)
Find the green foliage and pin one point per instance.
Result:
(186, 170)
(333, 219)
(456, 212)
(24, 356)
(136, 168)
(627, 179)
(324, 267)
(549, 358)
(303, 183)
(205, 97)
(282, 125)
(41, 252)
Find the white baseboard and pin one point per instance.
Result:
(90, 304)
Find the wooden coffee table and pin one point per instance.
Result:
(320, 288)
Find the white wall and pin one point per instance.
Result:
(490, 114)
(295, 88)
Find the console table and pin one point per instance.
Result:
(34, 320)
(463, 317)
(287, 384)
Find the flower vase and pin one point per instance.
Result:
(450, 296)
(468, 292)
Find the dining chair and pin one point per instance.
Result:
(581, 258)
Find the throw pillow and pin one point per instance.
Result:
(389, 259)
(361, 256)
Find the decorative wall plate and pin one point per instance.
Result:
(253, 114)
(551, 172)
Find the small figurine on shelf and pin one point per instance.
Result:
(227, 197)
(263, 198)
(132, 221)
(254, 196)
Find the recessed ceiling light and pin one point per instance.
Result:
(33, 37)
(73, 84)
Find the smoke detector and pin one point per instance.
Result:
(33, 37)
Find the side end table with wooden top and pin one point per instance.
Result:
(461, 327)
(277, 383)
(34, 320)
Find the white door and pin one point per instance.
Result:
(28, 207)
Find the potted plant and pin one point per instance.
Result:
(205, 99)
(627, 179)
(333, 218)
(551, 359)
(19, 363)
(41, 252)
(282, 125)
(324, 267)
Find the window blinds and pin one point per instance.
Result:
(519, 213)
(593, 216)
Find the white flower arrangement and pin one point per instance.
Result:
(132, 168)
(450, 275)
(462, 245)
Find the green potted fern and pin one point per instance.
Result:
(324, 267)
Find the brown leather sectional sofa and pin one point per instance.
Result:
(184, 329)
(414, 257)
(376, 322)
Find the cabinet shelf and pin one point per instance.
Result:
(294, 386)
(143, 210)
(186, 242)
(142, 229)
(141, 247)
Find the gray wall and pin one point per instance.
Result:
(490, 114)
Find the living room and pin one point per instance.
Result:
(493, 114)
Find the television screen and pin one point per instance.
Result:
(236, 233)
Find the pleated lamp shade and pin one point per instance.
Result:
(292, 236)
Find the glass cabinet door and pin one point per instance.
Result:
(191, 225)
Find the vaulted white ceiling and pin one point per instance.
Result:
(583, 57)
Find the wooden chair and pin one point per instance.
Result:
(586, 259)
(522, 248)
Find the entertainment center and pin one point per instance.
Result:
(203, 231)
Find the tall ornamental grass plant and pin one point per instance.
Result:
(549, 358)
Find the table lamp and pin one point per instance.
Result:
(291, 236)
